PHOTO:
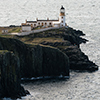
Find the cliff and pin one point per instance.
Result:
(68, 40)
(18, 59)
(37, 60)
(49, 53)
(10, 76)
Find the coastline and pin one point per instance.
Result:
(65, 40)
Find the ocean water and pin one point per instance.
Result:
(80, 14)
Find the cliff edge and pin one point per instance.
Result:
(48, 53)
(67, 40)
(10, 76)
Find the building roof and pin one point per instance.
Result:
(62, 7)
(31, 21)
(26, 25)
(4, 28)
(40, 20)
(47, 20)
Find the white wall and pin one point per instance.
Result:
(44, 23)
(26, 28)
(62, 19)
(48, 23)
(56, 25)
(4, 31)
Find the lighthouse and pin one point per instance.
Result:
(62, 17)
(46, 23)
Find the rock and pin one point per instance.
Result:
(74, 39)
(10, 75)
(56, 44)
(45, 61)
(70, 46)
(55, 62)
(30, 60)
(78, 60)
(35, 60)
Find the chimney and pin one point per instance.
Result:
(47, 18)
(26, 20)
(36, 18)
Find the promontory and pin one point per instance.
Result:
(49, 53)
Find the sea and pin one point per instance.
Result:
(81, 15)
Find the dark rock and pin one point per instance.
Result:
(70, 46)
(56, 44)
(74, 39)
(35, 60)
(10, 75)
(78, 32)
(55, 62)
(45, 61)
(78, 60)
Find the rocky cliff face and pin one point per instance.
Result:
(44, 61)
(28, 60)
(78, 60)
(36, 60)
(70, 46)
(10, 75)
(24, 60)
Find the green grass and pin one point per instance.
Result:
(3, 51)
(10, 30)
(38, 40)
(15, 30)
(62, 47)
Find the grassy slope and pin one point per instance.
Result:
(11, 29)
(51, 36)
(37, 38)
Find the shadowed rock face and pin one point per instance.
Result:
(70, 46)
(78, 60)
(37, 60)
(46, 61)
(20, 60)
(55, 62)
(10, 75)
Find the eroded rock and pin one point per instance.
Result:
(10, 75)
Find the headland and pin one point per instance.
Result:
(51, 52)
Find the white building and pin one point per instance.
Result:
(4, 31)
(60, 22)
(26, 28)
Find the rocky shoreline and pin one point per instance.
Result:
(70, 45)
(49, 53)
(10, 76)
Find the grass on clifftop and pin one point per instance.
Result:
(10, 30)
(15, 30)
(39, 40)
(51, 36)
(3, 51)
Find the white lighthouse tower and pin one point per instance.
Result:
(62, 17)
